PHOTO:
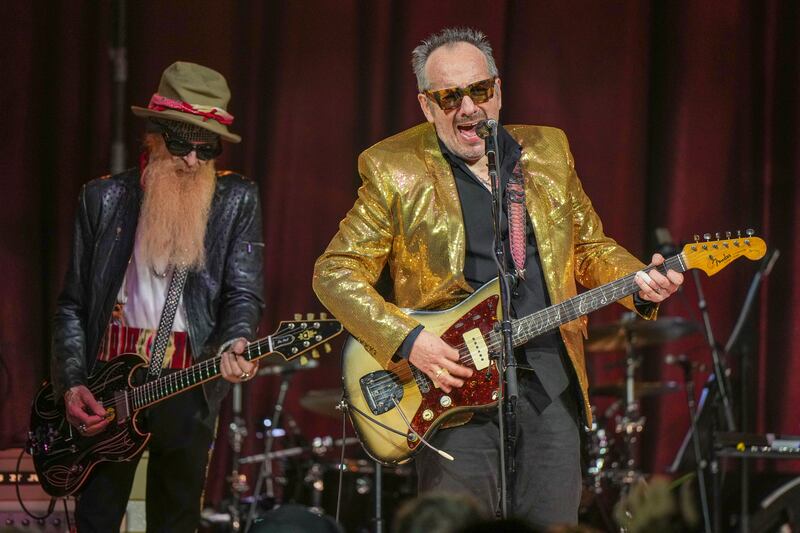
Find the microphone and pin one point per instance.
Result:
(666, 246)
(485, 128)
(684, 361)
(676, 359)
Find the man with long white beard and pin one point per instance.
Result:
(133, 231)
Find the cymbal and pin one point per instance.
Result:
(641, 389)
(323, 402)
(641, 333)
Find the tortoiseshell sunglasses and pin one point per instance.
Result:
(479, 92)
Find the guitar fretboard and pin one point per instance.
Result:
(525, 329)
(197, 374)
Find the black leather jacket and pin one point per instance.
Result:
(222, 302)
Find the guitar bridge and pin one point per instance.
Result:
(379, 388)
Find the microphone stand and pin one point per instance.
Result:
(507, 366)
(719, 370)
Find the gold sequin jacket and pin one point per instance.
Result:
(408, 217)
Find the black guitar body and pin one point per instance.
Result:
(63, 458)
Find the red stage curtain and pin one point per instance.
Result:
(680, 114)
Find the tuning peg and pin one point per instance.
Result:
(716, 236)
(323, 316)
(749, 232)
(315, 354)
(303, 360)
(328, 348)
(727, 234)
(298, 316)
(707, 236)
(738, 234)
(309, 316)
(696, 237)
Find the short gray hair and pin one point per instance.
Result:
(449, 37)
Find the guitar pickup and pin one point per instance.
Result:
(476, 345)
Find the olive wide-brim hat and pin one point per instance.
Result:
(193, 94)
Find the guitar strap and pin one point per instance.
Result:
(517, 222)
(176, 283)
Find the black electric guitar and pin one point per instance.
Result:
(63, 458)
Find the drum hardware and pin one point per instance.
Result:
(326, 402)
(613, 441)
(237, 431)
(265, 474)
(641, 389)
(638, 333)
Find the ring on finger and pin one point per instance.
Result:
(439, 372)
(244, 375)
(81, 427)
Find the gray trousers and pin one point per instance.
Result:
(548, 464)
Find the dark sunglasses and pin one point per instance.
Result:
(479, 92)
(180, 147)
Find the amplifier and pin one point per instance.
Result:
(766, 445)
(37, 501)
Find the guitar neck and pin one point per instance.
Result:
(525, 329)
(154, 391)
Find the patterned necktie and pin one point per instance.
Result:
(515, 201)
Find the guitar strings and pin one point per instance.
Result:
(153, 391)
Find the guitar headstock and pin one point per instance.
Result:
(711, 256)
(294, 338)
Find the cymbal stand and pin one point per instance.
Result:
(237, 431)
(632, 423)
(265, 475)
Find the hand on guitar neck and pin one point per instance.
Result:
(234, 367)
(438, 360)
(655, 286)
(84, 412)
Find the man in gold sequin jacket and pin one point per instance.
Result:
(415, 215)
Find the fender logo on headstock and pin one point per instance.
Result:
(717, 261)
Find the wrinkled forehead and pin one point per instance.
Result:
(456, 65)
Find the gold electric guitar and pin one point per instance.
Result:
(393, 408)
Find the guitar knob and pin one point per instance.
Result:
(445, 401)
(427, 415)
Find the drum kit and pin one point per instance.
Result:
(612, 443)
(314, 472)
(307, 470)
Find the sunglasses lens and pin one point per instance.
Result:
(178, 147)
(479, 92)
(450, 100)
(207, 151)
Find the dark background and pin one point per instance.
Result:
(680, 114)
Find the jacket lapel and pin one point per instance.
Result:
(445, 187)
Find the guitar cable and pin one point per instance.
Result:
(420, 437)
(342, 406)
(50, 507)
(408, 424)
